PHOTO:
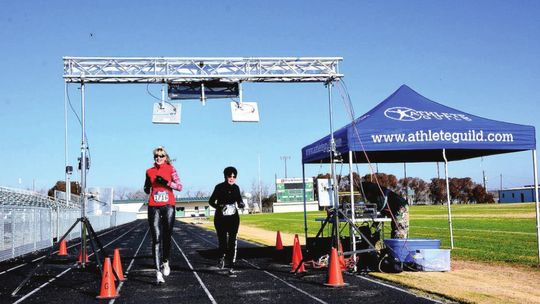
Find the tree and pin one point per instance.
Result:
(437, 190)
(419, 187)
(481, 196)
(137, 195)
(384, 180)
(261, 196)
(61, 186)
(268, 202)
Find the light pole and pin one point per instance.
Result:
(284, 158)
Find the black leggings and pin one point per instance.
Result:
(227, 228)
(161, 220)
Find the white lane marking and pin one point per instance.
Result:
(287, 283)
(196, 274)
(43, 285)
(65, 271)
(395, 287)
(272, 275)
(130, 264)
(365, 278)
(42, 257)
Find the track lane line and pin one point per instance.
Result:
(130, 265)
(300, 290)
(67, 270)
(394, 287)
(56, 251)
(196, 274)
(269, 273)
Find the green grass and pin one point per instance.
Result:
(500, 233)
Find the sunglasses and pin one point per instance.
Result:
(231, 176)
(159, 156)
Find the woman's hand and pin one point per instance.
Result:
(160, 180)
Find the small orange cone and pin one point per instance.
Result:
(341, 258)
(117, 265)
(335, 277)
(63, 249)
(108, 289)
(279, 243)
(297, 256)
(85, 257)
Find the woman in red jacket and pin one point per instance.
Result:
(160, 181)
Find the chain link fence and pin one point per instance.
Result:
(31, 221)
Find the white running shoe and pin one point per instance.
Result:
(166, 269)
(159, 278)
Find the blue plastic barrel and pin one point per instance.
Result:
(401, 248)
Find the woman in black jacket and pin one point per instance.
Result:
(225, 199)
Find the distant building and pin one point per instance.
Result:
(523, 194)
(185, 207)
(193, 207)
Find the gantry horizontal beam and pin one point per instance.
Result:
(176, 69)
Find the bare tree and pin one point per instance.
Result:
(136, 195)
(201, 193)
(120, 193)
(258, 196)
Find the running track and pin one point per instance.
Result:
(194, 277)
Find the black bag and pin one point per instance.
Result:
(388, 263)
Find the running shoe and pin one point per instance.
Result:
(159, 278)
(166, 269)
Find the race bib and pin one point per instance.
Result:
(161, 196)
(229, 209)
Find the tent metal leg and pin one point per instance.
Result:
(537, 207)
(448, 200)
(305, 207)
(351, 230)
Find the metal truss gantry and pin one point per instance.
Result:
(178, 69)
(124, 70)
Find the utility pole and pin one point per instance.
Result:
(483, 172)
(284, 158)
(405, 170)
(260, 188)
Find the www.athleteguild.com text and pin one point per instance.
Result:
(455, 137)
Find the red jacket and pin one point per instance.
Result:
(161, 195)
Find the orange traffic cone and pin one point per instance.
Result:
(297, 256)
(341, 258)
(279, 243)
(63, 249)
(117, 265)
(85, 257)
(108, 289)
(335, 277)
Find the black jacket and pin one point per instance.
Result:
(225, 194)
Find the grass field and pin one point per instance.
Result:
(500, 233)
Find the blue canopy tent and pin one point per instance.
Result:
(407, 127)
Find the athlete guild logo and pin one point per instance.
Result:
(402, 114)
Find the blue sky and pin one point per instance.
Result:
(482, 57)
